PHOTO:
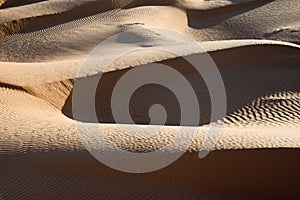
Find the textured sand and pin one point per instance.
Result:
(44, 43)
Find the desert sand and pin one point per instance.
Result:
(255, 45)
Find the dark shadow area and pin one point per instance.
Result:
(248, 73)
(146, 96)
(88, 9)
(137, 3)
(231, 174)
(9, 86)
(15, 3)
(206, 18)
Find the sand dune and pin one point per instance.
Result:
(45, 43)
(227, 21)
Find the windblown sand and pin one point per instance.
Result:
(254, 44)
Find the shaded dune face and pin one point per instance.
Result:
(84, 9)
(206, 18)
(250, 174)
(14, 3)
(146, 96)
(253, 68)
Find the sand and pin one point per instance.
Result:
(254, 45)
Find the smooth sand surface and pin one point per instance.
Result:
(254, 45)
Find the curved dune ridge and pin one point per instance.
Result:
(44, 44)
